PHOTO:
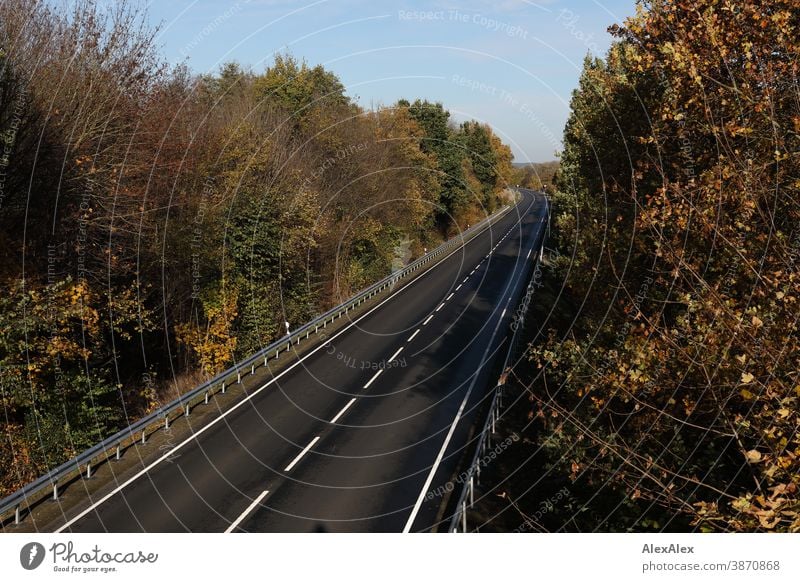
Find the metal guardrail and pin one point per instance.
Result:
(472, 475)
(138, 432)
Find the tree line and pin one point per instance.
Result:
(157, 225)
(668, 379)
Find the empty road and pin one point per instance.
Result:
(354, 434)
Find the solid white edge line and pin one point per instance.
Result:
(440, 456)
(395, 354)
(301, 455)
(413, 335)
(378, 373)
(343, 410)
(246, 512)
(427, 320)
(196, 434)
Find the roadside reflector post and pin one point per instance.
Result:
(88, 470)
(252, 369)
(16, 515)
(464, 517)
(119, 453)
(144, 437)
(238, 377)
(205, 399)
(55, 491)
(223, 386)
(166, 422)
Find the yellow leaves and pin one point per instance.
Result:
(214, 345)
(747, 377)
(756, 322)
(746, 394)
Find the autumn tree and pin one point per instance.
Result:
(676, 219)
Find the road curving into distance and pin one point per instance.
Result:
(356, 434)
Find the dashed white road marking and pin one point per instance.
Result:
(396, 354)
(440, 306)
(378, 373)
(246, 512)
(449, 297)
(343, 410)
(459, 287)
(413, 335)
(195, 436)
(302, 453)
(427, 320)
(467, 278)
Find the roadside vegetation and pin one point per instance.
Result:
(663, 384)
(157, 225)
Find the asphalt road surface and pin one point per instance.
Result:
(356, 434)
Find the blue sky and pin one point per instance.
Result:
(509, 63)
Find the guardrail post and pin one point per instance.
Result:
(471, 492)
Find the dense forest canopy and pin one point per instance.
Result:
(672, 377)
(157, 225)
